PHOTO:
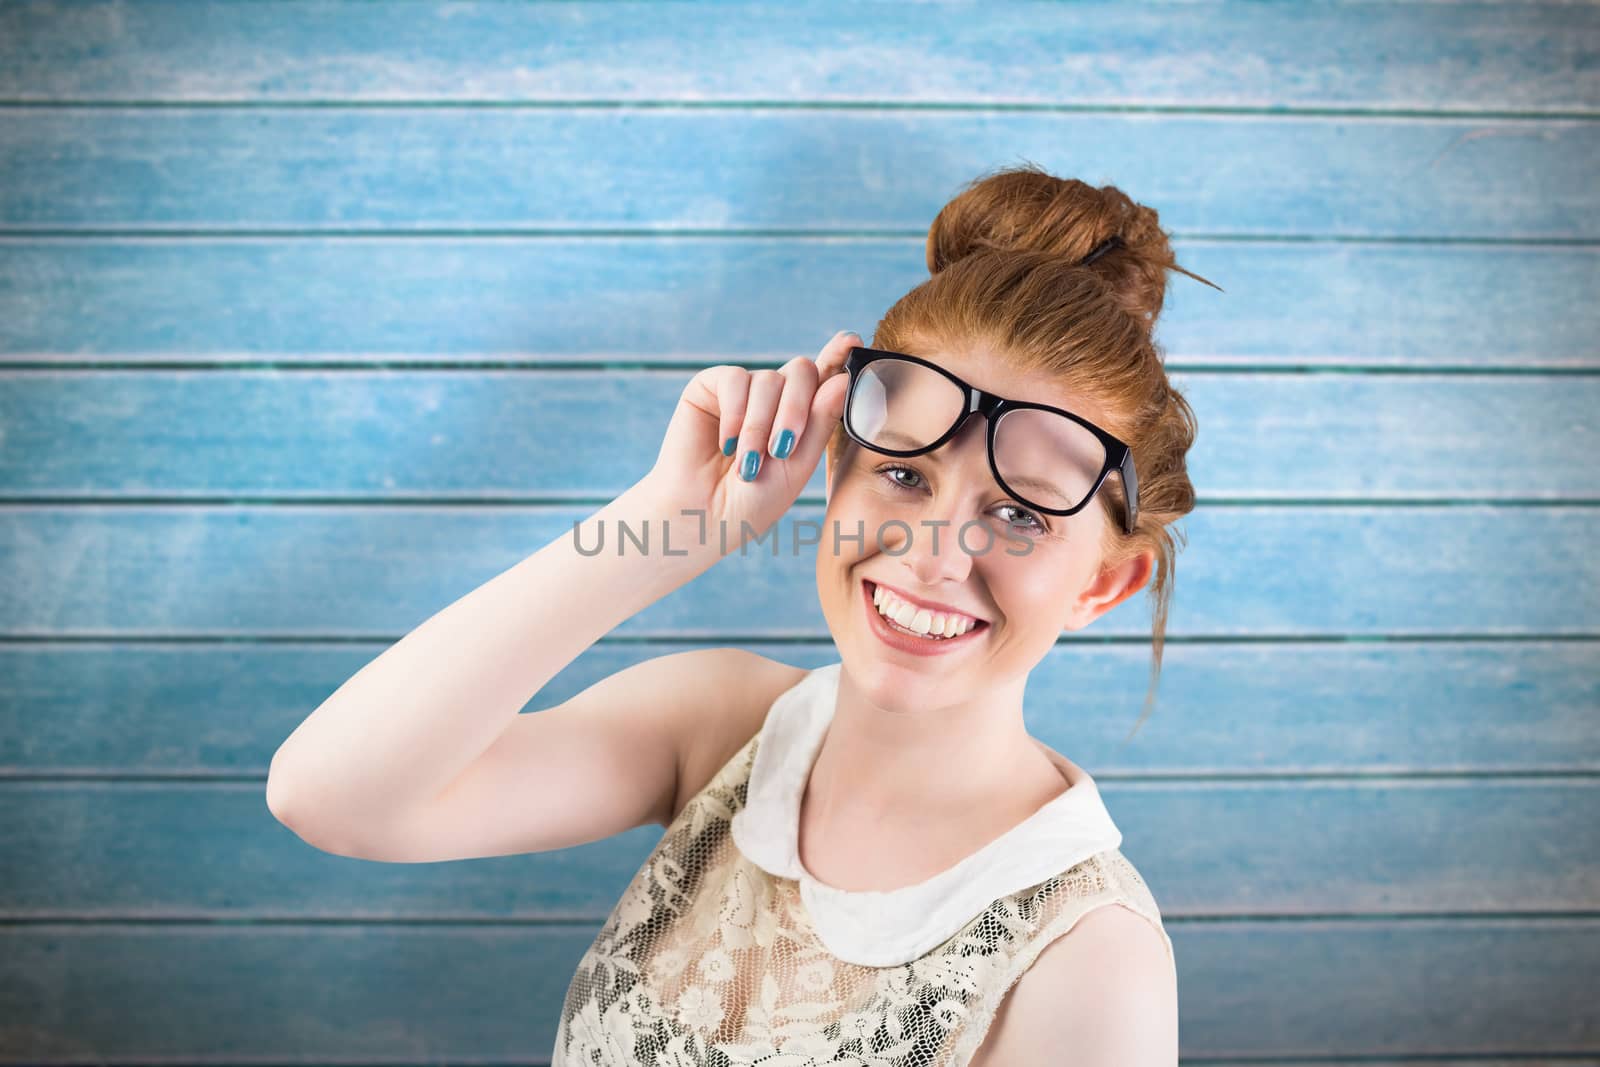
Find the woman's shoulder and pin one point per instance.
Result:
(1107, 877)
(1102, 966)
(1110, 981)
(748, 683)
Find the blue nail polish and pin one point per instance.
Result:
(751, 464)
(785, 444)
(727, 446)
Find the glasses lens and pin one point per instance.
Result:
(1045, 459)
(902, 405)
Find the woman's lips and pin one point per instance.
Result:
(904, 642)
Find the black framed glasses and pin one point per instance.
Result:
(1046, 457)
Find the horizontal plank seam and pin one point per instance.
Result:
(390, 364)
(244, 918)
(809, 641)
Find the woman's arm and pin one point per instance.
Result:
(404, 728)
(408, 723)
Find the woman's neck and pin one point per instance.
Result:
(926, 764)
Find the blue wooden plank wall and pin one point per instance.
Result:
(315, 316)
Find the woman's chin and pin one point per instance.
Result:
(891, 681)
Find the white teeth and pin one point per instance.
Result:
(923, 621)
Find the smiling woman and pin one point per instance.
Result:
(890, 870)
(872, 861)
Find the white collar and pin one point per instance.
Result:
(874, 928)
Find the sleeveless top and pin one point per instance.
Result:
(725, 950)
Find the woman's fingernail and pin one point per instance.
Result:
(785, 444)
(751, 464)
(727, 446)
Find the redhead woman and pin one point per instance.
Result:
(869, 862)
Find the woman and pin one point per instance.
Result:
(871, 862)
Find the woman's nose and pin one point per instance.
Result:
(932, 549)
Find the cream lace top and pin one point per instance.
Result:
(725, 950)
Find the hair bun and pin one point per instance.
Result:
(1027, 210)
(1114, 241)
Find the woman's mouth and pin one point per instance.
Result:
(906, 639)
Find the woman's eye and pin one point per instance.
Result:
(1029, 521)
(1025, 520)
(889, 472)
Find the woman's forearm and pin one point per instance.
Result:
(408, 723)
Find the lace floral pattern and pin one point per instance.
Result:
(709, 961)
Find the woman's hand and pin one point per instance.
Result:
(753, 483)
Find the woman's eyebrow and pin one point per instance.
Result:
(1035, 485)
(896, 439)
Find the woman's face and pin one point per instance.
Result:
(1031, 577)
